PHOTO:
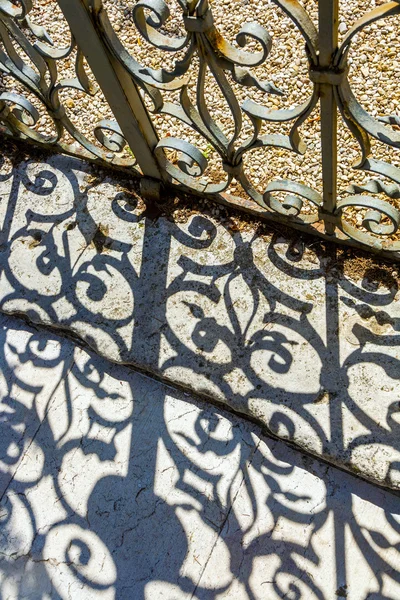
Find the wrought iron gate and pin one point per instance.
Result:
(138, 95)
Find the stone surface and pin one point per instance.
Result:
(131, 490)
(26, 391)
(295, 336)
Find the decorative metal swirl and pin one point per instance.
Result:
(202, 47)
(217, 56)
(376, 186)
(17, 113)
(220, 58)
(381, 219)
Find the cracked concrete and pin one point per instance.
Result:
(130, 489)
(303, 339)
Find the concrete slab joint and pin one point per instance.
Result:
(301, 338)
(117, 486)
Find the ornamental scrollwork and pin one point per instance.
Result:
(197, 52)
(29, 57)
(228, 64)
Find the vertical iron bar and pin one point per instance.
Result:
(116, 84)
(328, 13)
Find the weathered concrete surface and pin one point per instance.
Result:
(127, 489)
(304, 341)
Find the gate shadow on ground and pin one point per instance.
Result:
(146, 290)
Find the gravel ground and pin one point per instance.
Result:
(374, 73)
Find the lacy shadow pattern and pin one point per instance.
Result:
(277, 331)
(115, 486)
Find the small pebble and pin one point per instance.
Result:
(374, 75)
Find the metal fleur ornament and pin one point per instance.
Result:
(203, 55)
(214, 54)
(218, 57)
